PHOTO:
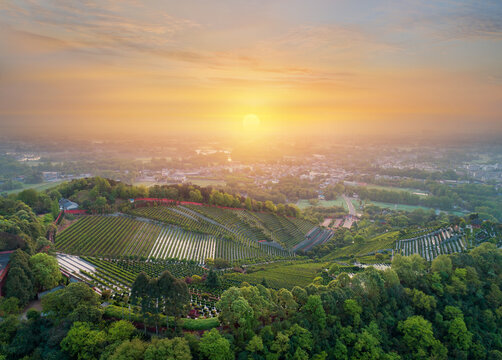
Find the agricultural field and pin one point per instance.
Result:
(302, 204)
(314, 237)
(392, 188)
(433, 244)
(383, 241)
(280, 275)
(397, 206)
(119, 275)
(244, 226)
(119, 236)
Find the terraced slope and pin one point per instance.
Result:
(114, 236)
(433, 244)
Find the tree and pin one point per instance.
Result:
(195, 196)
(9, 306)
(287, 302)
(354, 310)
(20, 279)
(213, 280)
(76, 302)
(18, 285)
(269, 205)
(215, 347)
(334, 269)
(140, 295)
(29, 197)
(45, 270)
(248, 203)
(129, 350)
(174, 294)
(120, 331)
(174, 349)
(314, 312)
(358, 239)
(421, 300)
(442, 264)
(410, 269)
(83, 342)
(367, 347)
(237, 313)
(458, 335)
(220, 263)
(255, 344)
(100, 204)
(419, 338)
(300, 295)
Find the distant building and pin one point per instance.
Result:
(65, 204)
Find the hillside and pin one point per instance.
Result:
(244, 226)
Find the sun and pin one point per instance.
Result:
(251, 122)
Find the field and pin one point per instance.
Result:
(434, 243)
(397, 206)
(207, 182)
(409, 207)
(392, 188)
(119, 236)
(39, 187)
(383, 241)
(244, 226)
(119, 275)
(302, 204)
(280, 275)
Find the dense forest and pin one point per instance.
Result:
(451, 308)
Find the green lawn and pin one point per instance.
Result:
(383, 241)
(302, 204)
(207, 182)
(392, 188)
(397, 206)
(280, 275)
(409, 207)
(39, 187)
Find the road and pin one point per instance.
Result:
(352, 210)
(349, 220)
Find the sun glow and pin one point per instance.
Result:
(251, 122)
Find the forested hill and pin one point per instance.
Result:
(450, 309)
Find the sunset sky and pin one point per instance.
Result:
(322, 66)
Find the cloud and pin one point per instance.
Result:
(468, 20)
(102, 25)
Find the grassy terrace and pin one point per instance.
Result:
(383, 241)
(302, 204)
(280, 275)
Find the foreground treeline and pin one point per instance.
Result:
(451, 308)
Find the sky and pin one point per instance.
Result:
(299, 67)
